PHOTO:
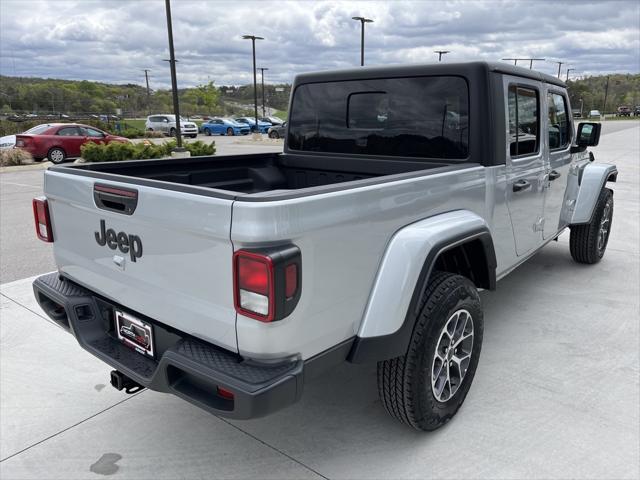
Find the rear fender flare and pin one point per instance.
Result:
(389, 318)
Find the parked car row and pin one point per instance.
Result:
(239, 126)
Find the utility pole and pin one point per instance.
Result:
(362, 21)
(262, 69)
(606, 93)
(440, 53)
(253, 39)
(559, 65)
(146, 77)
(174, 81)
(569, 70)
(531, 60)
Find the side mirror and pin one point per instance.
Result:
(588, 134)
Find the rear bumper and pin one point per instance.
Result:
(183, 366)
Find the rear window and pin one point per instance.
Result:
(38, 129)
(424, 117)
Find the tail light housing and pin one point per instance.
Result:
(42, 219)
(267, 282)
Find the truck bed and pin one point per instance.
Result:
(231, 176)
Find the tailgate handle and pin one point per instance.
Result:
(115, 199)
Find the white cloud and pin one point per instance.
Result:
(114, 40)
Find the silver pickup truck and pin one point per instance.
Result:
(231, 281)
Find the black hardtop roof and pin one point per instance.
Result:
(465, 69)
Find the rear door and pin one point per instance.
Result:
(559, 137)
(180, 271)
(525, 162)
(71, 139)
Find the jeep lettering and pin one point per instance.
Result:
(125, 243)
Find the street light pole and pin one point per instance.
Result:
(253, 39)
(174, 81)
(569, 70)
(262, 69)
(559, 65)
(362, 21)
(440, 53)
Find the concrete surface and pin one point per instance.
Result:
(556, 394)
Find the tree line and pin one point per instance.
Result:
(46, 96)
(23, 95)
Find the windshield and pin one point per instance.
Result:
(424, 117)
(38, 129)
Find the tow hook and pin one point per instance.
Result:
(120, 381)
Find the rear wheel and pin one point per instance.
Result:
(230, 131)
(588, 241)
(274, 134)
(56, 155)
(425, 387)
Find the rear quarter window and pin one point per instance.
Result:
(424, 117)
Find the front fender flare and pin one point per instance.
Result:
(593, 178)
(388, 320)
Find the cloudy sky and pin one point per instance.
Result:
(113, 40)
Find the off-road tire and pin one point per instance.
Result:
(56, 155)
(583, 240)
(404, 383)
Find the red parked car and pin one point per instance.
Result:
(60, 141)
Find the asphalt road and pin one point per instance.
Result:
(556, 393)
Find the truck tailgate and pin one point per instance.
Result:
(183, 277)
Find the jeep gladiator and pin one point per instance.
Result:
(400, 192)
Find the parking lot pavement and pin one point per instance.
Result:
(556, 393)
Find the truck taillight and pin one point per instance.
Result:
(267, 283)
(42, 219)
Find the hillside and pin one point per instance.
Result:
(45, 96)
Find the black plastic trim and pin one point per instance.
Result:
(374, 349)
(186, 367)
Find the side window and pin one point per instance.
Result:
(153, 119)
(69, 132)
(559, 128)
(92, 132)
(524, 131)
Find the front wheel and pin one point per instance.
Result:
(207, 132)
(194, 136)
(588, 241)
(230, 132)
(274, 134)
(425, 387)
(172, 132)
(56, 155)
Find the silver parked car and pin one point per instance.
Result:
(167, 125)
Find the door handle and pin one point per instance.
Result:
(553, 175)
(521, 185)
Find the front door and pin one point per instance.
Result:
(559, 134)
(525, 163)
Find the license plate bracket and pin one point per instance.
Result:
(135, 333)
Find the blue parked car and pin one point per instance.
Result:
(224, 126)
(263, 127)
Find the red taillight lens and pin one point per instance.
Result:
(267, 282)
(42, 219)
(254, 285)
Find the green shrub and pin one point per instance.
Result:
(196, 149)
(116, 151)
(14, 156)
(131, 133)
